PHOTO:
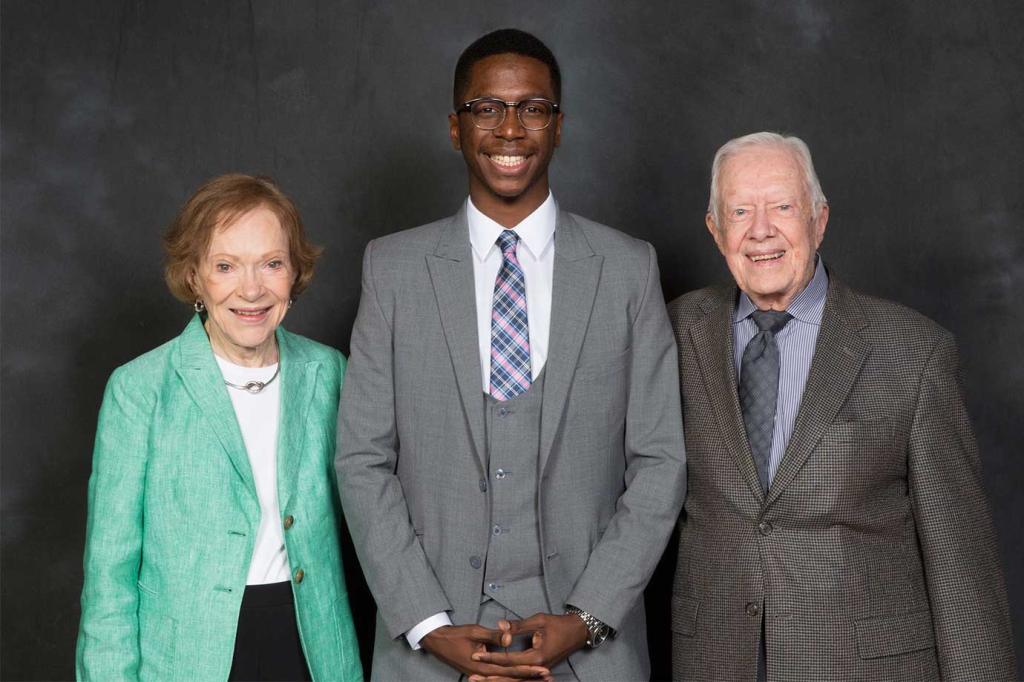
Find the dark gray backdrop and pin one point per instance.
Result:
(114, 111)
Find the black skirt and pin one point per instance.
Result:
(267, 645)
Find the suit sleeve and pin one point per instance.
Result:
(623, 560)
(958, 542)
(108, 636)
(396, 568)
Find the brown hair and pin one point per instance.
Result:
(218, 203)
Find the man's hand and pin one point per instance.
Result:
(457, 646)
(553, 639)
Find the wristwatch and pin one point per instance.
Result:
(597, 631)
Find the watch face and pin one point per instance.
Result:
(598, 636)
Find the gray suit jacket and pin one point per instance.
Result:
(411, 448)
(873, 556)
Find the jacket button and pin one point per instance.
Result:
(765, 528)
(483, 485)
(299, 575)
(753, 609)
(475, 561)
(288, 521)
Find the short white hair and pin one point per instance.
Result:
(767, 139)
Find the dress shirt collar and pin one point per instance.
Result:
(808, 306)
(536, 231)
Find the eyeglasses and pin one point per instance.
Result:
(488, 113)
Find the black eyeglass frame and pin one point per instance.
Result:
(468, 107)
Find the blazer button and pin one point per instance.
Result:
(483, 485)
(753, 609)
(765, 528)
(288, 521)
(475, 561)
(299, 575)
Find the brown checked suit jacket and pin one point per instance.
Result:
(873, 556)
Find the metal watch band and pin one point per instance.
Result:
(597, 631)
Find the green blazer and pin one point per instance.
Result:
(173, 516)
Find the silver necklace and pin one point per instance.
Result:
(255, 387)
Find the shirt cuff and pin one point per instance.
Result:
(425, 627)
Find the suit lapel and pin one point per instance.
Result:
(451, 273)
(202, 379)
(576, 273)
(713, 341)
(298, 385)
(838, 357)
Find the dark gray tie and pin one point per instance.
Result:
(759, 387)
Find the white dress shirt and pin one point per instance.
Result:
(536, 255)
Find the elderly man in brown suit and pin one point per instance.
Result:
(835, 526)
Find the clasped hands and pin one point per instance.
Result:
(465, 647)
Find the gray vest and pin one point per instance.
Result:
(514, 573)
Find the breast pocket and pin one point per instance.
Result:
(858, 431)
(601, 365)
(862, 448)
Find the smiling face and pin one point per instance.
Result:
(508, 166)
(245, 279)
(767, 232)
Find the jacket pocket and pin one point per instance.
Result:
(684, 615)
(157, 637)
(860, 430)
(599, 368)
(146, 589)
(894, 635)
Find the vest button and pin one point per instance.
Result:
(753, 609)
(496, 530)
(500, 474)
(299, 575)
(288, 521)
(503, 412)
(475, 561)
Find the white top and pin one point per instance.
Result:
(536, 255)
(258, 415)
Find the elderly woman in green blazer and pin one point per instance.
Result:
(212, 544)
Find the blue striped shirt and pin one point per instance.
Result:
(796, 350)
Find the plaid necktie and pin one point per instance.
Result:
(510, 332)
(759, 387)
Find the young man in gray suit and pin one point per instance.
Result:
(836, 526)
(510, 451)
